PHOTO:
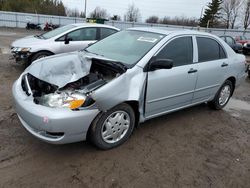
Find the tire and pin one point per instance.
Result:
(40, 55)
(248, 73)
(245, 52)
(119, 130)
(219, 101)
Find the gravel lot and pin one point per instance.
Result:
(195, 147)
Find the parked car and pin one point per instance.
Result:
(237, 47)
(246, 48)
(242, 39)
(245, 42)
(69, 38)
(104, 91)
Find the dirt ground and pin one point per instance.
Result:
(195, 147)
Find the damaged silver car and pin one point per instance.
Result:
(104, 91)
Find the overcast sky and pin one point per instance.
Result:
(160, 8)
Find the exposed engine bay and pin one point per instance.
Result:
(76, 94)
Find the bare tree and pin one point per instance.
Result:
(152, 19)
(183, 21)
(99, 13)
(230, 10)
(247, 14)
(72, 12)
(132, 14)
(116, 17)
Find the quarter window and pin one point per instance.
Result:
(209, 49)
(179, 50)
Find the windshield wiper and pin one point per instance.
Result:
(91, 52)
(39, 36)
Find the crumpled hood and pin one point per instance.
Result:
(61, 69)
(27, 42)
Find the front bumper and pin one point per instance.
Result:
(21, 56)
(52, 125)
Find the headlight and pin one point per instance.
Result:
(18, 49)
(245, 44)
(25, 49)
(65, 99)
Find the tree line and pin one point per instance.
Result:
(218, 13)
(51, 7)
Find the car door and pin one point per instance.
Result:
(78, 39)
(212, 67)
(169, 89)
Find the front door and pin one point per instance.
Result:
(79, 39)
(169, 89)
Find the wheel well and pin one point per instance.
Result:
(233, 80)
(47, 51)
(135, 106)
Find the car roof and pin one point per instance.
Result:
(167, 31)
(93, 25)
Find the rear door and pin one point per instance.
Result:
(169, 89)
(212, 68)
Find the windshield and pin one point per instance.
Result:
(127, 47)
(56, 32)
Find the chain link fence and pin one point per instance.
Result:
(19, 20)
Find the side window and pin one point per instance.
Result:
(105, 32)
(230, 41)
(223, 38)
(209, 49)
(83, 34)
(179, 50)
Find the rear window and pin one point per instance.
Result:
(209, 49)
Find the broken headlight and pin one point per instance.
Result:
(64, 99)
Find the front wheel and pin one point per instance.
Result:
(112, 128)
(40, 55)
(222, 97)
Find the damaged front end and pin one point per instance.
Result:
(70, 81)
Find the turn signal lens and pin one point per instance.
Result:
(76, 104)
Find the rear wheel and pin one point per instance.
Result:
(112, 128)
(222, 97)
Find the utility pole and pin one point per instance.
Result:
(85, 9)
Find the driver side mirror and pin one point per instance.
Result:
(66, 40)
(160, 64)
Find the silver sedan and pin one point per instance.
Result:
(106, 90)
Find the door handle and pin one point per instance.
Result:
(192, 71)
(224, 64)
